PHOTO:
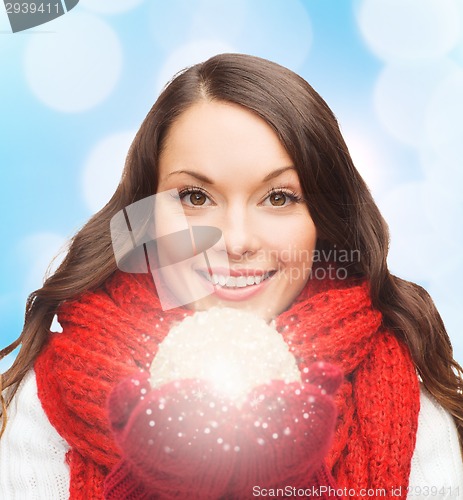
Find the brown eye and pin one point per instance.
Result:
(194, 197)
(277, 199)
(198, 199)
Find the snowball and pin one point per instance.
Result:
(233, 350)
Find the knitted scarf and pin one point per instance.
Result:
(112, 331)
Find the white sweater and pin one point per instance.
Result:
(33, 466)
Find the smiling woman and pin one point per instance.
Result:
(248, 150)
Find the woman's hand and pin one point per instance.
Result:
(182, 440)
(286, 431)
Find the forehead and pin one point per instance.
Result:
(213, 136)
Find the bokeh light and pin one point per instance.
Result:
(72, 73)
(103, 169)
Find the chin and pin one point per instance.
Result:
(261, 310)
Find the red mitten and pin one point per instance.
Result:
(286, 431)
(182, 441)
(177, 441)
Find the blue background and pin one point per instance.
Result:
(74, 91)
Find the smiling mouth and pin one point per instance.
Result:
(231, 282)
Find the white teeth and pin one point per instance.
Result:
(231, 282)
(236, 281)
(241, 281)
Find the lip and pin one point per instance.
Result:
(239, 293)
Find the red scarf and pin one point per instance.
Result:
(109, 333)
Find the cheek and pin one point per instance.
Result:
(168, 221)
(293, 240)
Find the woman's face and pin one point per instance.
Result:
(232, 173)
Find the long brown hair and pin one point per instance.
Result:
(338, 199)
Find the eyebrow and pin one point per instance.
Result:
(206, 180)
(197, 175)
(277, 173)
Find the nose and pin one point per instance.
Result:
(240, 232)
